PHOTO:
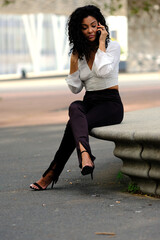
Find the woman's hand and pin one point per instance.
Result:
(74, 63)
(102, 38)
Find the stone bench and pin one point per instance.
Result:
(137, 144)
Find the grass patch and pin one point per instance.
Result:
(133, 188)
(128, 186)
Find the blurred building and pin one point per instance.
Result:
(32, 35)
(32, 43)
(38, 42)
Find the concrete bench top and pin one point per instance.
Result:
(137, 144)
(142, 123)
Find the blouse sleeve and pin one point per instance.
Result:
(105, 62)
(74, 82)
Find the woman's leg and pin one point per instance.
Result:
(84, 117)
(77, 135)
(105, 114)
(66, 148)
(79, 125)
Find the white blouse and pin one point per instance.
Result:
(104, 72)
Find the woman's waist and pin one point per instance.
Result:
(93, 85)
(96, 99)
(116, 87)
(112, 90)
(109, 94)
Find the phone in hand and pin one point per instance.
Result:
(98, 32)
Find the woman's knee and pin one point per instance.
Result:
(74, 106)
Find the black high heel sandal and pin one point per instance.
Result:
(54, 181)
(87, 169)
(40, 188)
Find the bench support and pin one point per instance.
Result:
(137, 144)
(139, 165)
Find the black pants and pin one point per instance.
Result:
(98, 108)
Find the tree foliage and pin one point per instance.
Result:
(7, 2)
(148, 6)
(134, 7)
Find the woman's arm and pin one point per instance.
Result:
(102, 38)
(73, 63)
(107, 61)
(73, 80)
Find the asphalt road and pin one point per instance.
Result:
(31, 126)
(77, 208)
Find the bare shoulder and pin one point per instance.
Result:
(74, 58)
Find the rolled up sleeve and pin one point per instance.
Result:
(74, 82)
(105, 62)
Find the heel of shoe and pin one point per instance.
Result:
(87, 170)
(52, 185)
(92, 175)
(54, 182)
(53, 175)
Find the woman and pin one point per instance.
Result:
(94, 65)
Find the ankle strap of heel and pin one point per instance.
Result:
(83, 151)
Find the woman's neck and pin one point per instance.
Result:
(93, 45)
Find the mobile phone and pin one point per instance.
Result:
(99, 32)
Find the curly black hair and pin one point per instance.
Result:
(77, 40)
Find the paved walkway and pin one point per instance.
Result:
(45, 101)
(77, 208)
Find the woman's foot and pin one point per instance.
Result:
(87, 164)
(43, 182)
(86, 160)
(39, 185)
